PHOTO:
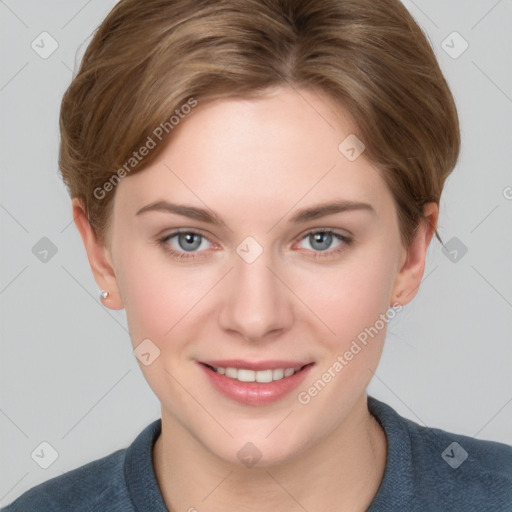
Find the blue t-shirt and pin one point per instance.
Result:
(427, 470)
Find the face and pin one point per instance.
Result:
(253, 243)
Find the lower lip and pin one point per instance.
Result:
(256, 393)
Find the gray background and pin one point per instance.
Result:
(68, 374)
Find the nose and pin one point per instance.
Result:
(255, 303)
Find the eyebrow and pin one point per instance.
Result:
(191, 212)
(304, 215)
(322, 210)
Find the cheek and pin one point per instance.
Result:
(160, 302)
(350, 297)
(159, 297)
(352, 301)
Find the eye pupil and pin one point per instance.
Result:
(320, 241)
(189, 241)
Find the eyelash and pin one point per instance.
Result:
(163, 242)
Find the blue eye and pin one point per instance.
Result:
(320, 241)
(325, 241)
(189, 241)
(183, 242)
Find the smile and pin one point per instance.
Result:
(255, 383)
(263, 376)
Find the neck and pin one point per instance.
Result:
(349, 463)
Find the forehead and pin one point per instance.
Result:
(274, 151)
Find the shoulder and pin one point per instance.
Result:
(99, 485)
(432, 469)
(124, 481)
(466, 471)
(478, 458)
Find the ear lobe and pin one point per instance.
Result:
(412, 267)
(99, 257)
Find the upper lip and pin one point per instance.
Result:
(256, 365)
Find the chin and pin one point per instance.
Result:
(256, 454)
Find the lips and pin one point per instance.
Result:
(255, 383)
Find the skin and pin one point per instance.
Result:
(255, 163)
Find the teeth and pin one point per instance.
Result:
(277, 374)
(232, 373)
(262, 376)
(246, 375)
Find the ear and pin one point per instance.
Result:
(99, 257)
(412, 267)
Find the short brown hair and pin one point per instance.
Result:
(149, 59)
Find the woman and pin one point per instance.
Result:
(257, 183)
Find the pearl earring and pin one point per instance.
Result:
(104, 294)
